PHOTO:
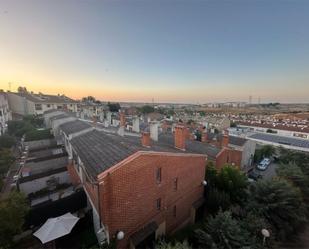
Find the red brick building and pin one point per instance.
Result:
(141, 190)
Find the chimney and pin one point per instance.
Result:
(136, 124)
(146, 139)
(154, 131)
(204, 136)
(225, 139)
(180, 137)
(122, 119)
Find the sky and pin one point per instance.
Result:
(193, 51)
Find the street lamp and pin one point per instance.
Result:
(265, 234)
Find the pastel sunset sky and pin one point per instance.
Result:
(191, 51)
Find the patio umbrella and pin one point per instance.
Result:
(57, 227)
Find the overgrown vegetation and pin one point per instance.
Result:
(30, 126)
(12, 213)
(264, 151)
(238, 210)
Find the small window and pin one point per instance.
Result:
(174, 211)
(158, 175)
(176, 183)
(159, 204)
(38, 107)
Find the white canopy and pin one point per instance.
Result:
(57, 227)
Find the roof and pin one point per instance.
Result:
(100, 150)
(61, 116)
(281, 140)
(238, 141)
(304, 129)
(74, 126)
(45, 98)
(46, 165)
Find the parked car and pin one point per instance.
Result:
(263, 165)
(254, 175)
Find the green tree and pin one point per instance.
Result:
(280, 204)
(147, 109)
(6, 160)
(113, 107)
(7, 141)
(223, 232)
(233, 182)
(264, 151)
(12, 214)
(296, 176)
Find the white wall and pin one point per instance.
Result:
(40, 183)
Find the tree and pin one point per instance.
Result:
(7, 141)
(89, 99)
(176, 245)
(301, 159)
(222, 232)
(232, 181)
(12, 214)
(280, 204)
(113, 107)
(296, 176)
(6, 159)
(147, 109)
(264, 151)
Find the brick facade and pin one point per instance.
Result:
(228, 156)
(129, 191)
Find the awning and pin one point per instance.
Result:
(143, 233)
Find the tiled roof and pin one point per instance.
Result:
(99, 150)
(74, 126)
(45, 98)
(238, 141)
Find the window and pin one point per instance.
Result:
(174, 211)
(176, 183)
(38, 107)
(48, 105)
(159, 204)
(158, 175)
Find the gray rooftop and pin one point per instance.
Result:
(238, 141)
(281, 140)
(46, 165)
(99, 150)
(74, 126)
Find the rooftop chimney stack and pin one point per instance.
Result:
(122, 119)
(180, 137)
(204, 136)
(136, 124)
(154, 131)
(225, 139)
(146, 139)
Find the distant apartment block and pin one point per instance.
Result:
(5, 113)
(28, 103)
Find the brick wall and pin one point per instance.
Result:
(129, 192)
(228, 156)
(73, 174)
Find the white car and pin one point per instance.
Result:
(263, 165)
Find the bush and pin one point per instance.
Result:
(7, 141)
(222, 231)
(280, 204)
(34, 135)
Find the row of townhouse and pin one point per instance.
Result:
(5, 114)
(140, 185)
(29, 103)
